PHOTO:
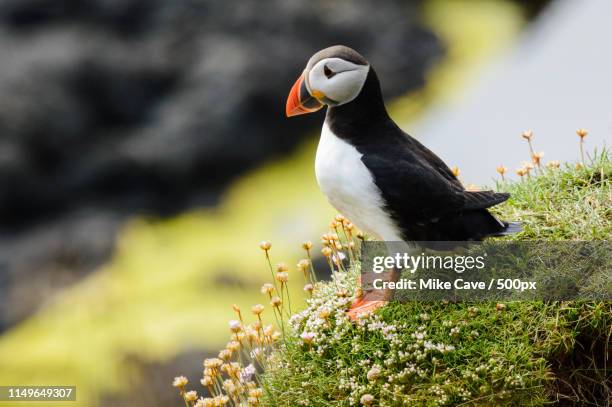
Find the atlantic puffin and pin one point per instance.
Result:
(384, 181)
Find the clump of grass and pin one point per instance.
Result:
(470, 353)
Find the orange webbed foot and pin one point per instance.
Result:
(362, 306)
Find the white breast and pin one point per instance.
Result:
(350, 188)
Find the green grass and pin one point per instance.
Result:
(522, 353)
(563, 204)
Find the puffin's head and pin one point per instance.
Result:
(333, 76)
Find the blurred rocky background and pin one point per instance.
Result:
(114, 107)
(112, 110)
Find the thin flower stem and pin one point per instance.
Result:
(184, 399)
(276, 317)
(348, 243)
(271, 271)
(339, 263)
(531, 152)
(218, 384)
(313, 276)
(331, 266)
(288, 298)
(282, 325)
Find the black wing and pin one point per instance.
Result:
(433, 160)
(420, 188)
(473, 200)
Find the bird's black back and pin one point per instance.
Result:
(421, 193)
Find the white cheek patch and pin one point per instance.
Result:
(344, 85)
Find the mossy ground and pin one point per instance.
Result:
(519, 353)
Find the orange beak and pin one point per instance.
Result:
(300, 101)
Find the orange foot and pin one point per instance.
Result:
(362, 306)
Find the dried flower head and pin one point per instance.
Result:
(233, 346)
(225, 355)
(191, 396)
(582, 133)
(579, 166)
(257, 309)
(268, 330)
(276, 302)
(326, 251)
(373, 373)
(256, 393)
(180, 382)
(252, 401)
(236, 309)
(205, 402)
(265, 245)
(537, 157)
(213, 363)
(455, 171)
(333, 224)
(267, 288)
(235, 326)
(324, 313)
(527, 135)
(342, 293)
(553, 164)
(256, 326)
(303, 264)
(281, 267)
(282, 276)
(366, 400)
(500, 307)
(307, 337)
(230, 387)
(207, 381)
(340, 218)
(501, 169)
(307, 245)
(309, 288)
(231, 369)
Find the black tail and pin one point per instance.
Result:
(511, 228)
(480, 224)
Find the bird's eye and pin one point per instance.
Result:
(328, 72)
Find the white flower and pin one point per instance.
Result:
(247, 373)
(336, 259)
(256, 352)
(308, 337)
(373, 373)
(366, 399)
(235, 326)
